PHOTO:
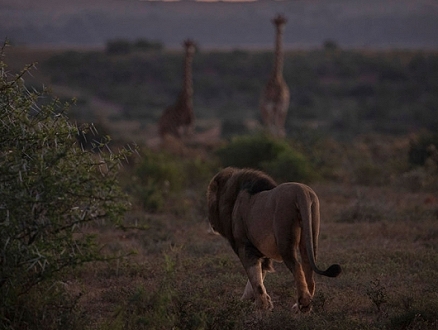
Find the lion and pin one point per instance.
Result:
(266, 222)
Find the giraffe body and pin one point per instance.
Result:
(178, 119)
(275, 97)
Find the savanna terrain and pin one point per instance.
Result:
(183, 277)
(361, 131)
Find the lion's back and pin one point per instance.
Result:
(292, 191)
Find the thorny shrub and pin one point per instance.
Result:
(49, 188)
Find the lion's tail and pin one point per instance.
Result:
(310, 221)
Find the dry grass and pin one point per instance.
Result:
(182, 277)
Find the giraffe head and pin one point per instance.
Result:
(190, 46)
(279, 21)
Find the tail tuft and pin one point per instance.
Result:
(333, 271)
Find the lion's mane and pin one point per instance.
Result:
(222, 193)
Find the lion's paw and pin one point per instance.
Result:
(296, 308)
(265, 303)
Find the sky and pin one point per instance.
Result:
(222, 24)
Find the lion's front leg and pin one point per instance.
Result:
(262, 299)
(255, 288)
(248, 293)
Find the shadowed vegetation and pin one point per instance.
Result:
(341, 92)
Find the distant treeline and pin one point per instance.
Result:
(340, 92)
(123, 46)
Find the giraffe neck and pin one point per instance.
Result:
(278, 61)
(187, 78)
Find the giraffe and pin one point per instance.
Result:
(178, 120)
(274, 101)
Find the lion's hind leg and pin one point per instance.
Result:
(304, 296)
(288, 244)
(307, 268)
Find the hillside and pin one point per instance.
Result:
(337, 92)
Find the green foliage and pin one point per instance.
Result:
(251, 150)
(423, 148)
(49, 188)
(266, 153)
(156, 177)
(48, 307)
(290, 165)
(160, 176)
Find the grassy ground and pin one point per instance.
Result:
(181, 277)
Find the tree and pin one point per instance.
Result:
(49, 188)
(118, 47)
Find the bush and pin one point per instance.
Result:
(250, 151)
(233, 127)
(156, 177)
(266, 153)
(145, 45)
(160, 177)
(118, 47)
(49, 188)
(422, 148)
(124, 47)
(290, 166)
